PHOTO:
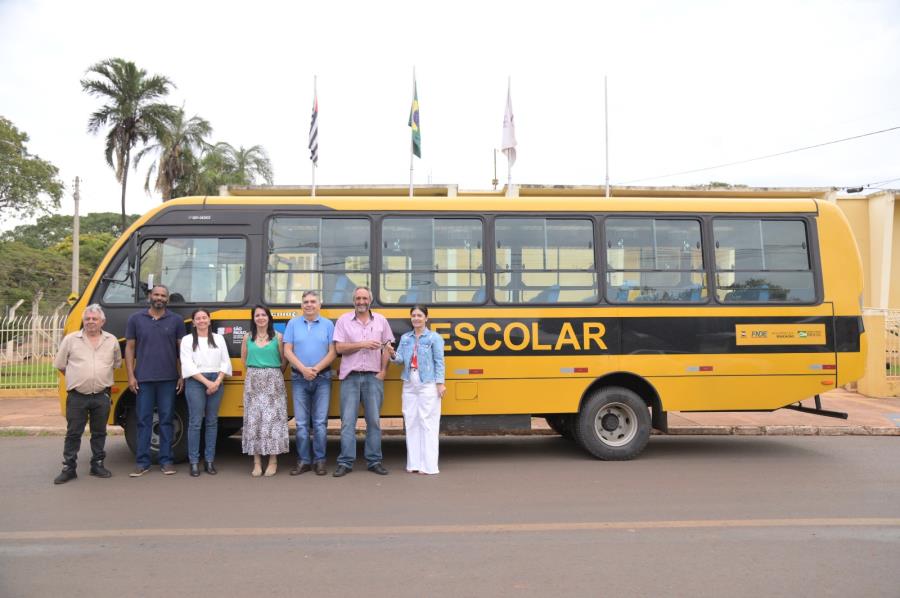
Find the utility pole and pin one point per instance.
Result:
(75, 239)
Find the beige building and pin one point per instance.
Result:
(874, 218)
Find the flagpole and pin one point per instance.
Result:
(412, 143)
(508, 162)
(313, 164)
(606, 132)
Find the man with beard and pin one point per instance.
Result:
(152, 337)
(360, 337)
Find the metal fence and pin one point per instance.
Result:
(28, 344)
(892, 344)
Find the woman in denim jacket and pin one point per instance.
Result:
(421, 352)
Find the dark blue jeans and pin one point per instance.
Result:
(159, 396)
(202, 407)
(311, 399)
(365, 388)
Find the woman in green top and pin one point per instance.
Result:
(265, 429)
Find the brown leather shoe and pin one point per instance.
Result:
(319, 467)
(300, 468)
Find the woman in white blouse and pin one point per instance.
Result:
(204, 365)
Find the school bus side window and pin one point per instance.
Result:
(195, 269)
(326, 255)
(119, 286)
(653, 260)
(431, 260)
(544, 260)
(763, 261)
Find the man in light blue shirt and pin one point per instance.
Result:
(309, 348)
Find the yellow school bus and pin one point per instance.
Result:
(600, 314)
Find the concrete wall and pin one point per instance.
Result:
(875, 220)
(894, 297)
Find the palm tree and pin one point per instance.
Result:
(132, 112)
(213, 170)
(222, 164)
(178, 145)
(246, 164)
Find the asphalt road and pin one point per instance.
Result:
(511, 516)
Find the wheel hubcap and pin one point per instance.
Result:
(616, 424)
(610, 422)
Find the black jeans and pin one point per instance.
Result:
(79, 409)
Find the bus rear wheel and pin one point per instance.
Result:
(613, 424)
(561, 423)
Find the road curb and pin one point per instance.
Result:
(48, 431)
(784, 431)
(673, 431)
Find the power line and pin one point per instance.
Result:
(767, 156)
(882, 182)
(876, 184)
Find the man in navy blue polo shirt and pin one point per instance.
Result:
(309, 348)
(152, 337)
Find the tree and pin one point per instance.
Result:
(92, 248)
(246, 164)
(179, 142)
(51, 230)
(132, 111)
(212, 171)
(25, 270)
(222, 164)
(27, 184)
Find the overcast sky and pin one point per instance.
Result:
(692, 84)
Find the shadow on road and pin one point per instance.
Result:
(514, 450)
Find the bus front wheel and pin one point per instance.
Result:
(179, 432)
(613, 424)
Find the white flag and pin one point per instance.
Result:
(509, 131)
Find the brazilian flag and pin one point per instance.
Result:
(414, 123)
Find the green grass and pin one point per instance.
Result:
(19, 432)
(28, 375)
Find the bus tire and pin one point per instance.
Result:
(561, 423)
(613, 424)
(179, 432)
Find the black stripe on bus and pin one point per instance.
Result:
(605, 336)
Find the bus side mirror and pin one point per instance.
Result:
(132, 274)
(132, 252)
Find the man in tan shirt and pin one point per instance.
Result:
(87, 359)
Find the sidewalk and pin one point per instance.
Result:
(869, 417)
